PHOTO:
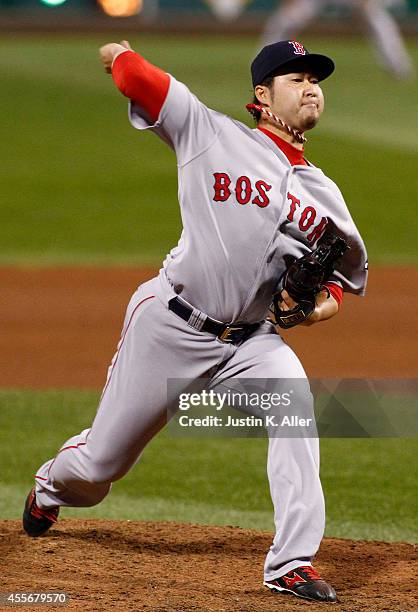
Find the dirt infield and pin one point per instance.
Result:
(60, 327)
(168, 567)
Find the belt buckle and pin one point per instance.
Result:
(225, 336)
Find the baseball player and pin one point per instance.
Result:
(293, 16)
(249, 200)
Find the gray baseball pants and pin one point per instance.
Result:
(157, 345)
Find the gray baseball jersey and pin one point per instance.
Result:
(244, 209)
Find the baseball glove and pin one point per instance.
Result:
(304, 278)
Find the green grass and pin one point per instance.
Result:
(369, 484)
(80, 186)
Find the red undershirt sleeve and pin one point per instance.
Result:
(141, 82)
(336, 291)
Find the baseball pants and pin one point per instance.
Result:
(157, 345)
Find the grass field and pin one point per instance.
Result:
(80, 185)
(369, 484)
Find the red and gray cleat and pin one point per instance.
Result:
(303, 582)
(36, 521)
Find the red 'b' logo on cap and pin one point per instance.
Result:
(298, 48)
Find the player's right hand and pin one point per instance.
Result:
(109, 52)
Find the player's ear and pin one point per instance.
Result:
(260, 93)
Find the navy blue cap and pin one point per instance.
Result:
(289, 56)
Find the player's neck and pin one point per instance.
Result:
(281, 133)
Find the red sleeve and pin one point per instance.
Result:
(141, 82)
(336, 291)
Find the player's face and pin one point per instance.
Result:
(296, 98)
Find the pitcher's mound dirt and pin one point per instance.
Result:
(170, 567)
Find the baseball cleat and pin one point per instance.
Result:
(304, 582)
(36, 521)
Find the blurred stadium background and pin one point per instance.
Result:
(169, 14)
(80, 187)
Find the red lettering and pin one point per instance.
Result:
(294, 202)
(243, 190)
(317, 231)
(221, 187)
(262, 200)
(307, 218)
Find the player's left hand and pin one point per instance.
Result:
(109, 52)
(326, 307)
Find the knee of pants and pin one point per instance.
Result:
(99, 472)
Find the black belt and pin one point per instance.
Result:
(233, 333)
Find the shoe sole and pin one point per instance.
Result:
(276, 589)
